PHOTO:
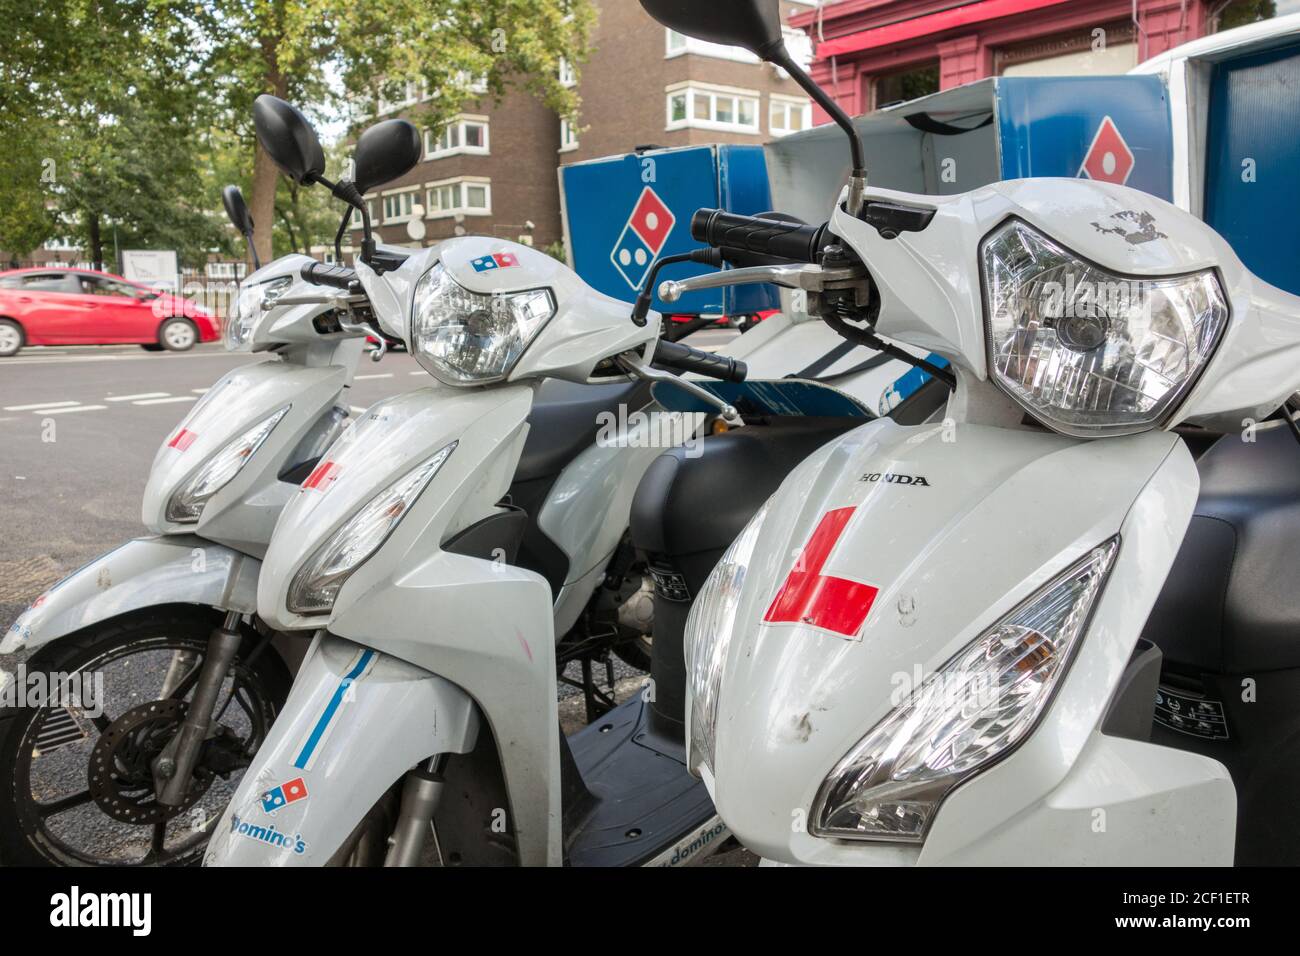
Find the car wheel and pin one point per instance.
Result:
(11, 338)
(178, 335)
(151, 346)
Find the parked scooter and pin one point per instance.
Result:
(925, 648)
(433, 665)
(165, 623)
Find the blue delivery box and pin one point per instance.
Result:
(622, 213)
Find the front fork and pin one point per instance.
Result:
(174, 767)
(420, 794)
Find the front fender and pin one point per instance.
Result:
(146, 572)
(950, 535)
(355, 722)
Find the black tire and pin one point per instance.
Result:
(151, 346)
(367, 844)
(12, 338)
(30, 837)
(178, 335)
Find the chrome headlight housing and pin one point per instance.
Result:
(250, 305)
(468, 338)
(709, 628)
(962, 718)
(1086, 351)
(316, 585)
(186, 504)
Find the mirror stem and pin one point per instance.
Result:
(252, 251)
(858, 178)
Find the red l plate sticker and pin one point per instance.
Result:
(819, 600)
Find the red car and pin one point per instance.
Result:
(80, 307)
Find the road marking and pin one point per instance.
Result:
(131, 398)
(380, 375)
(199, 391)
(28, 408)
(78, 408)
(417, 373)
(166, 401)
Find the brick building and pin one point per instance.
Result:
(493, 170)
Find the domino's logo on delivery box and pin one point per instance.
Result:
(642, 238)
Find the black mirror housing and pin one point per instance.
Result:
(288, 139)
(237, 210)
(752, 24)
(384, 152)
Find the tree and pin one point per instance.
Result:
(291, 49)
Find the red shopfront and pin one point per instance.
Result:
(872, 52)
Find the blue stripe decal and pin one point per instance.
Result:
(331, 708)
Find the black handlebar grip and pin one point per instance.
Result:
(340, 277)
(686, 359)
(771, 237)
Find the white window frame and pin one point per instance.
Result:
(568, 137)
(568, 77)
(678, 44)
(461, 184)
(789, 103)
(384, 197)
(714, 92)
(458, 124)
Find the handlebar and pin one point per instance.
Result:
(340, 277)
(682, 357)
(771, 237)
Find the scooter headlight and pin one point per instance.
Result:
(186, 504)
(467, 338)
(708, 635)
(250, 305)
(316, 585)
(963, 717)
(1086, 351)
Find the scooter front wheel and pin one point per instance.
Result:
(92, 713)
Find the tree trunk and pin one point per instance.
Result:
(262, 204)
(288, 225)
(96, 243)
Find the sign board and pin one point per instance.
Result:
(154, 268)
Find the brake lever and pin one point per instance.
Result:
(811, 278)
(646, 372)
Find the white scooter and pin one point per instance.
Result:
(433, 664)
(165, 622)
(924, 649)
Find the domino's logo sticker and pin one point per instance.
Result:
(498, 260)
(642, 238)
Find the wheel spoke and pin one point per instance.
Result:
(186, 683)
(47, 810)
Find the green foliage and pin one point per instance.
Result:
(1241, 12)
(122, 119)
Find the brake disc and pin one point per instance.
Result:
(121, 772)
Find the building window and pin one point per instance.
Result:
(906, 85)
(467, 197)
(713, 107)
(567, 75)
(788, 115)
(462, 135)
(678, 44)
(221, 270)
(408, 93)
(399, 207)
(568, 136)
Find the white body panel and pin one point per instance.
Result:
(146, 572)
(1019, 506)
(243, 513)
(355, 720)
